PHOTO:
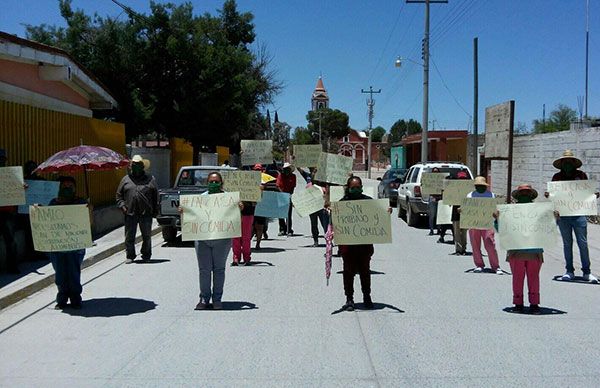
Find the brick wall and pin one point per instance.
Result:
(533, 156)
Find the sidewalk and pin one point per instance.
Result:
(34, 278)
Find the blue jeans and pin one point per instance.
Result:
(67, 269)
(567, 226)
(432, 213)
(212, 258)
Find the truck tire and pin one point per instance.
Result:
(169, 234)
(412, 219)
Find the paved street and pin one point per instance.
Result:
(434, 324)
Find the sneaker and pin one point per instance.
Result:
(60, 306)
(246, 263)
(217, 305)
(201, 305)
(499, 271)
(519, 308)
(590, 278)
(534, 309)
(349, 306)
(367, 302)
(568, 276)
(234, 264)
(478, 270)
(281, 234)
(128, 261)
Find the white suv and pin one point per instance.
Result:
(410, 201)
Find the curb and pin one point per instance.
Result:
(49, 280)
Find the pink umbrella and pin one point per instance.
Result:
(83, 158)
(328, 251)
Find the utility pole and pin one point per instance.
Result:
(544, 117)
(475, 106)
(370, 105)
(424, 139)
(587, 50)
(320, 132)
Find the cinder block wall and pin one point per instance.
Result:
(533, 156)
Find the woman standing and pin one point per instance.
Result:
(241, 245)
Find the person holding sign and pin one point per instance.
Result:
(67, 264)
(524, 262)
(569, 166)
(476, 235)
(241, 245)
(432, 206)
(460, 235)
(322, 215)
(356, 258)
(286, 181)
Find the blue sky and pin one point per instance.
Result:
(531, 51)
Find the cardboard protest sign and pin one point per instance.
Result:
(527, 225)
(477, 213)
(210, 217)
(336, 193)
(273, 205)
(39, 192)
(256, 151)
(60, 228)
(365, 221)
(574, 198)
(456, 190)
(333, 168)
(11, 186)
(432, 183)
(308, 201)
(247, 183)
(307, 155)
(444, 214)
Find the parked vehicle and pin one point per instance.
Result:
(410, 202)
(388, 185)
(190, 180)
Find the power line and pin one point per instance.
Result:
(448, 89)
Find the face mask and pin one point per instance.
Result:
(66, 193)
(567, 168)
(480, 189)
(355, 191)
(214, 187)
(136, 169)
(524, 198)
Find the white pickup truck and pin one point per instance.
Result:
(190, 180)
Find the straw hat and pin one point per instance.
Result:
(525, 189)
(288, 165)
(139, 159)
(480, 181)
(567, 155)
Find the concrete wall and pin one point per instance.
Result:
(533, 156)
(160, 164)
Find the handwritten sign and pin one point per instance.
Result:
(210, 217)
(308, 201)
(336, 193)
(256, 151)
(432, 183)
(456, 190)
(60, 228)
(273, 205)
(333, 168)
(247, 183)
(476, 213)
(40, 192)
(364, 221)
(527, 225)
(444, 214)
(307, 155)
(574, 198)
(11, 186)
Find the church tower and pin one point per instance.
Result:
(319, 99)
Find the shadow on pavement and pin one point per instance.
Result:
(577, 279)
(178, 244)
(25, 268)
(464, 254)
(234, 306)
(112, 307)
(372, 272)
(257, 264)
(271, 250)
(542, 311)
(152, 261)
(486, 271)
(312, 246)
(376, 306)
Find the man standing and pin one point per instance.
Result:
(7, 225)
(286, 181)
(137, 197)
(569, 165)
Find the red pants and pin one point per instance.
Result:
(241, 245)
(519, 269)
(476, 235)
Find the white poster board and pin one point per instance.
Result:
(527, 226)
(574, 198)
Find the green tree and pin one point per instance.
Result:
(334, 124)
(303, 135)
(377, 134)
(560, 120)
